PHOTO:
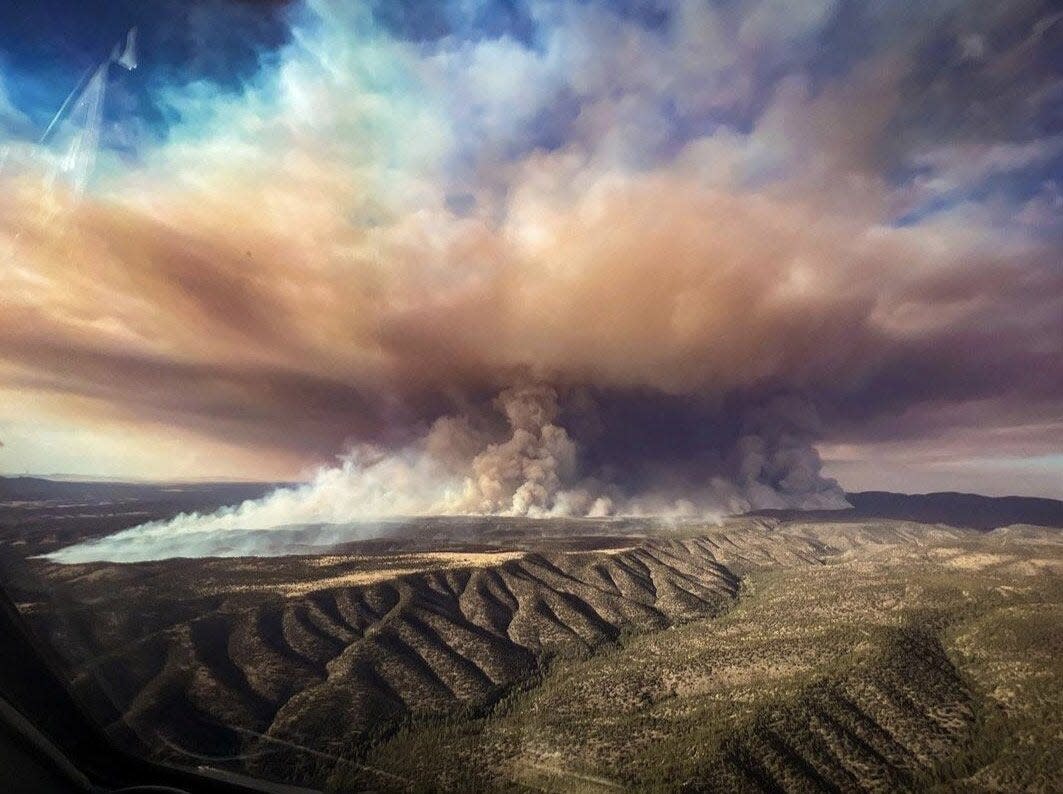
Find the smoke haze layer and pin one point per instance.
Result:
(514, 456)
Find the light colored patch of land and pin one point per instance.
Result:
(977, 561)
(968, 560)
(294, 589)
(610, 551)
(384, 568)
(475, 559)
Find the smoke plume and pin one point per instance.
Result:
(514, 457)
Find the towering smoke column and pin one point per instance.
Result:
(527, 473)
(775, 464)
(526, 465)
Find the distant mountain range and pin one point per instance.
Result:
(28, 488)
(966, 510)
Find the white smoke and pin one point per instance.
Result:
(369, 484)
(454, 469)
(526, 473)
(529, 467)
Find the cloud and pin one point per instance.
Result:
(374, 232)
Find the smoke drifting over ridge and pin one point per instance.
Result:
(514, 457)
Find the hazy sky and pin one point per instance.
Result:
(313, 224)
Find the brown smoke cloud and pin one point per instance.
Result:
(656, 283)
(286, 273)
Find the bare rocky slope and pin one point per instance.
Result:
(230, 673)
